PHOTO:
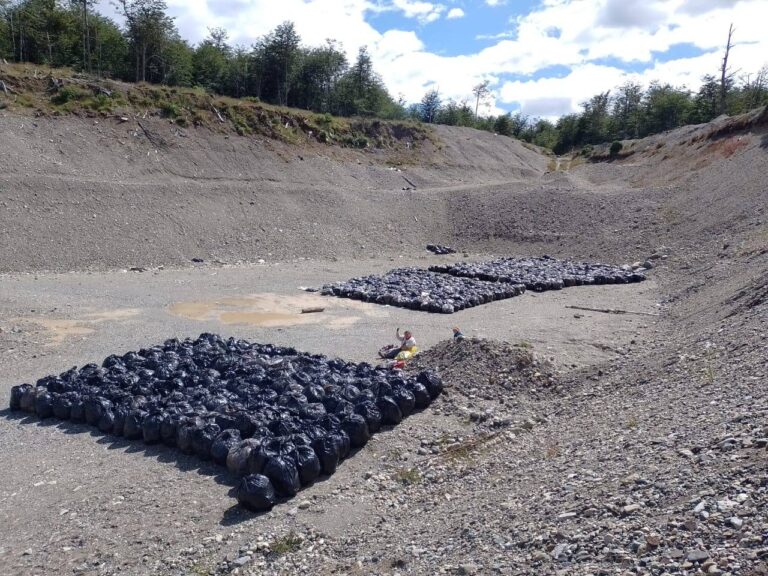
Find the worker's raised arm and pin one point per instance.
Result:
(397, 334)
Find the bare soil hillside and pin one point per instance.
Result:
(82, 193)
(568, 441)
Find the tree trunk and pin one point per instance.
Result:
(86, 39)
(13, 36)
(724, 76)
(144, 62)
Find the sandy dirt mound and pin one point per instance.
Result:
(489, 381)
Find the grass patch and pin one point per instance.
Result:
(552, 451)
(470, 447)
(286, 544)
(199, 570)
(407, 476)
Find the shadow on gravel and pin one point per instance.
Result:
(166, 455)
(764, 142)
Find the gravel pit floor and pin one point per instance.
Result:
(73, 501)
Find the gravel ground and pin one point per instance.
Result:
(639, 448)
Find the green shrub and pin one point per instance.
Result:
(69, 94)
(615, 148)
(170, 109)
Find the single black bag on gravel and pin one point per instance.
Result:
(223, 443)
(282, 472)
(256, 493)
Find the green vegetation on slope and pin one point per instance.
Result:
(49, 92)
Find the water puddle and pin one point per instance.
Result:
(275, 310)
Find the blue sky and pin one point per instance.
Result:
(541, 57)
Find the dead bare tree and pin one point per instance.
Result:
(481, 92)
(726, 76)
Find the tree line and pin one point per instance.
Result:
(276, 69)
(279, 69)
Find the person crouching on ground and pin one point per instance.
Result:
(407, 344)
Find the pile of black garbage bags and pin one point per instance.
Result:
(419, 289)
(542, 273)
(448, 288)
(276, 417)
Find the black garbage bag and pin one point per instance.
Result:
(307, 464)
(372, 415)
(62, 407)
(258, 457)
(390, 411)
(328, 451)
(203, 438)
(405, 401)
(345, 446)
(185, 432)
(120, 413)
(283, 474)
(420, 395)
(314, 393)
(27, 400)
(17, 392)
(150, 428)
(44, 405)
(246, 423)
(256, 493)
(77, 412)
(357, 429)
(94, 408)
(169, 427)
(431, 382)
(133, 421)
(107, 421)
(237, 457)
(223, 443)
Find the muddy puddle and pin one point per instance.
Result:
(62, 329)
(277, 310)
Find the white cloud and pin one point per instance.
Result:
(493, 3)
(425, 12)
(454, 13)
(594, 39)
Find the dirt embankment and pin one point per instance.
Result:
(84, 193)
